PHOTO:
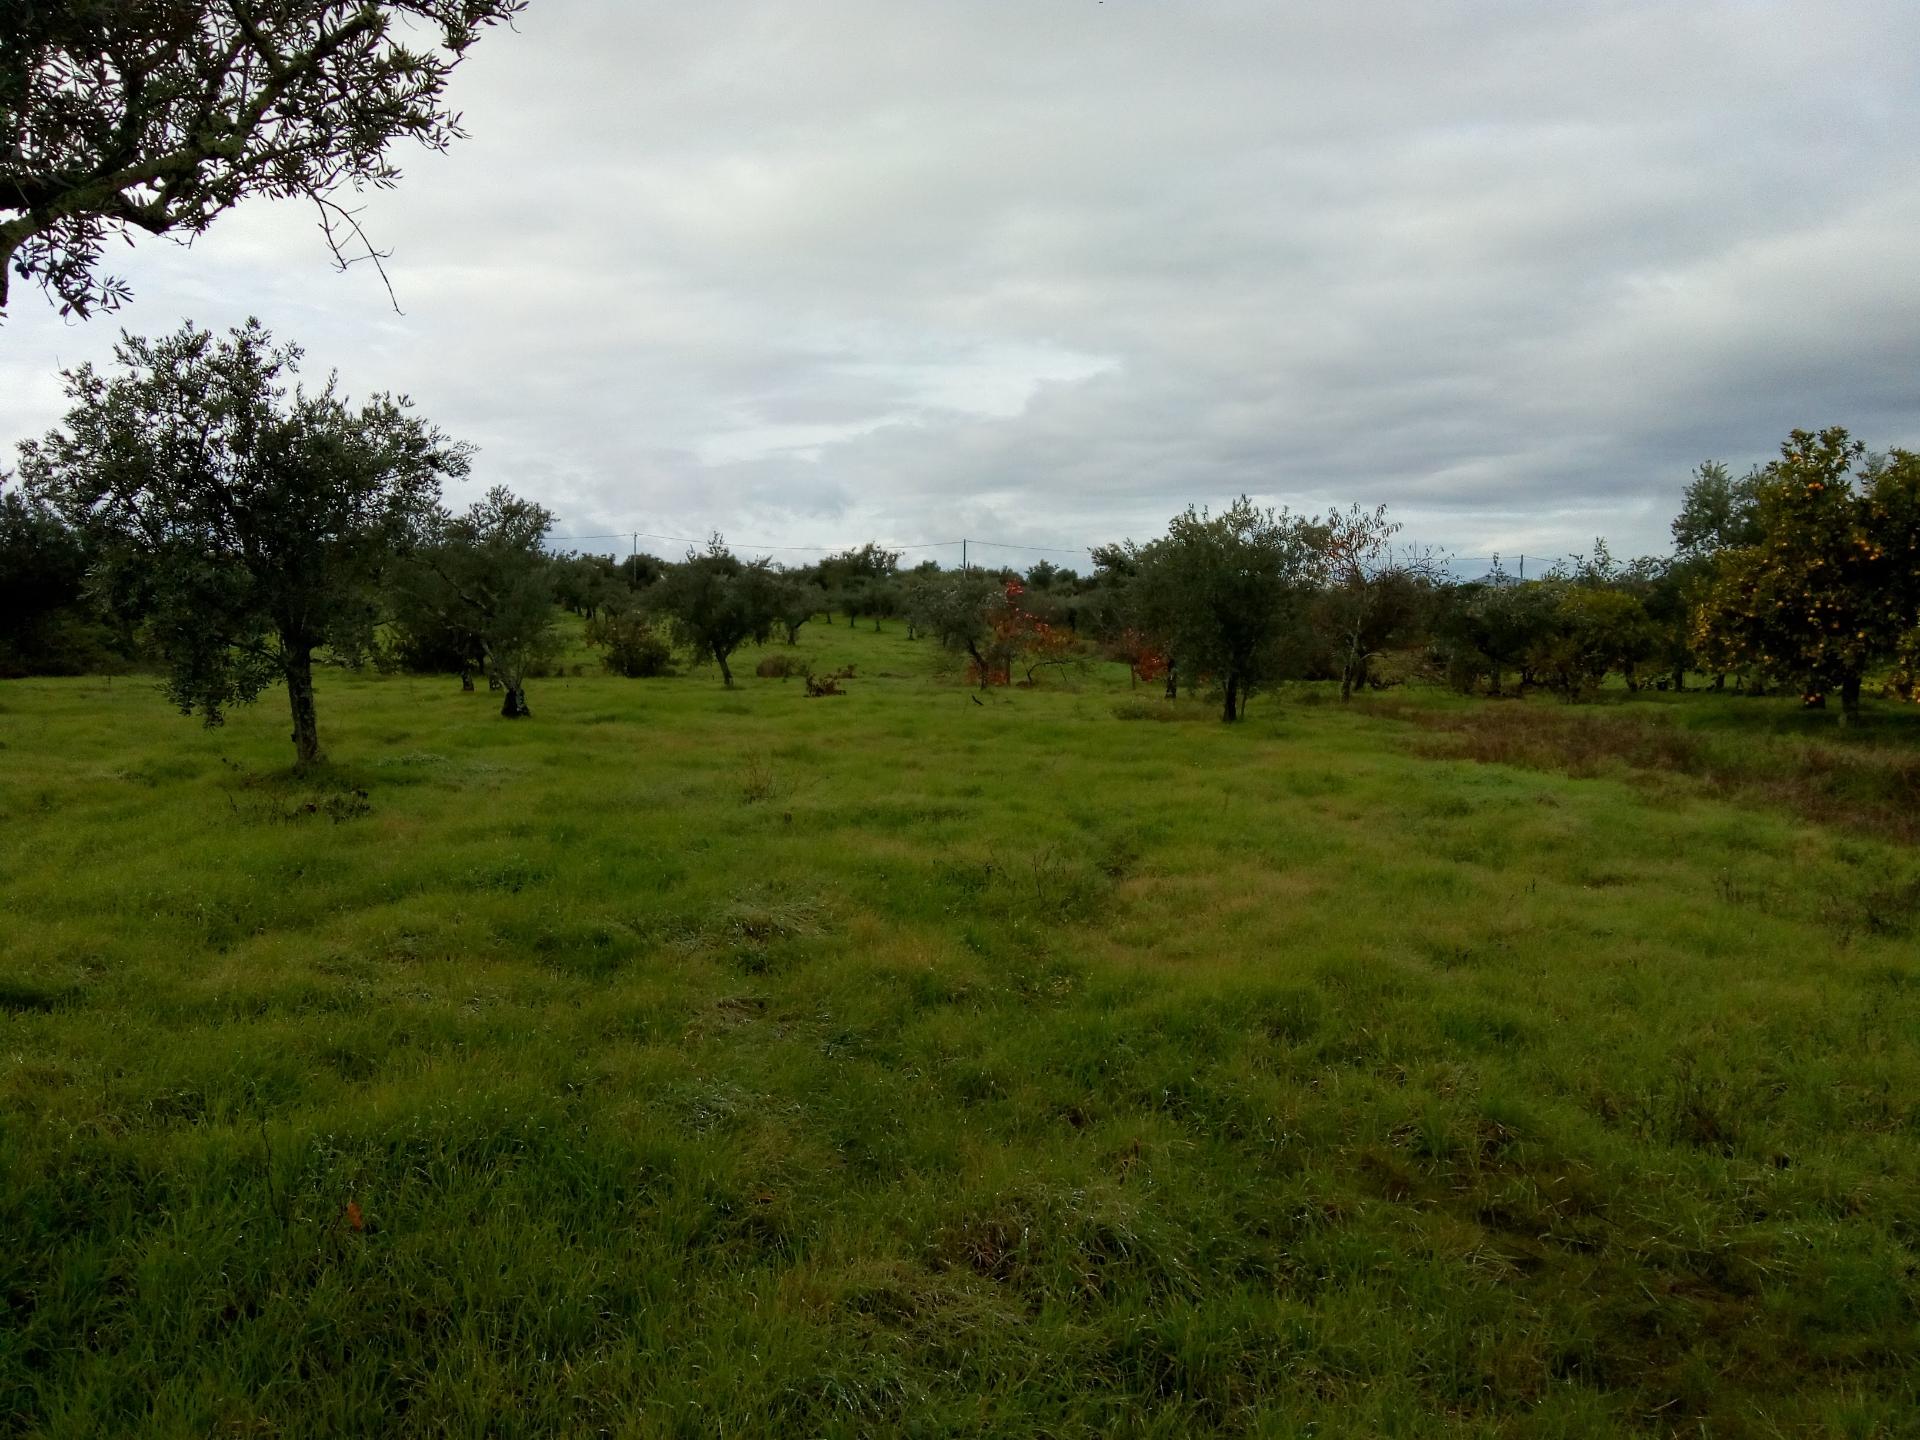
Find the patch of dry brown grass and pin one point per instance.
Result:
(1869, 787)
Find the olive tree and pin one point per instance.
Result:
(957, 608)
(249, 523)
(796, 600)
(485, 574)
(119, 116)
(1229, 593)
(47, 624)
(1587, 630)
(1489, 626)
(714, 603)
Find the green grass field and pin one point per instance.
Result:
(693, 1062)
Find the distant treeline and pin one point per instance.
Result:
(1803, 574)
(196, 515)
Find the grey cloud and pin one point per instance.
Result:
(1050, 272)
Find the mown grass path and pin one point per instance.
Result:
(692, 1062)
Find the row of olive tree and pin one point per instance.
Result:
(1240, 599)
(243, 526)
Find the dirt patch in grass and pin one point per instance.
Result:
(1863, 786)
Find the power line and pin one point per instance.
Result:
(823, 549)
(1514, 562)
(1049, 549)
(744, 544)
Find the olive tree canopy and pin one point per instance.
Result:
(486, 575)
(248, 524)
(1227, 594)
(714, 602)
(157, 115)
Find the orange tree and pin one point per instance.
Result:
(1827, 591)
(1893, 516)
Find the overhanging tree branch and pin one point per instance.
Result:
(118, 117)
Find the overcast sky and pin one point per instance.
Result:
(1046, 271)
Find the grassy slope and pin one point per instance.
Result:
(713, 1063)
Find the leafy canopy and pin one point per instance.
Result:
(1827, 588)
(1227, 594)
(485, 574)
(157, 115)
(714, 602)
(247, 522)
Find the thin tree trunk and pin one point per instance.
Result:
(1173, 680)
(1850, 700)
(986, 675)
(1231, 711)
(1350, 667)
(466, 681)
(726, 672)
(306, 726)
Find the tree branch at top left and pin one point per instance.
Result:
(159, 115)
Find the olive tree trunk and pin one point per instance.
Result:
(1850, 700)
(980, 664)
(298, 663)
